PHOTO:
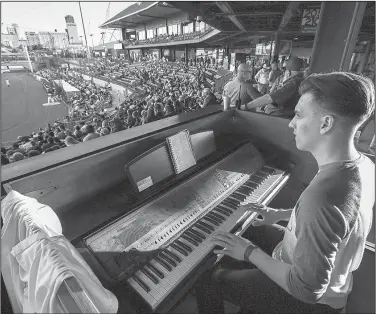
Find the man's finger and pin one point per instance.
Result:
(224, 252)
(220, 243)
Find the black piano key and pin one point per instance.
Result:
(150, 275)
(235, 201)
(215, 218)
(227, 208)
(179, 249)
(201, 227)
(268, 170)
(238, 196)
(189, 239)
(222, 211)
(172, 255)
(141, 283)
(252, 185)
(163, 263)
(198, 233)
(204, 224)
(218, 216)
(193, 236)
(257, 179)
(185, 246)
(167, 259)
(155, 270)
(230, 202)
(246, 190)
(242, 194)
(211, 220)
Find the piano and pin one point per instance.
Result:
(164, 243)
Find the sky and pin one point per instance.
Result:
(48, 16)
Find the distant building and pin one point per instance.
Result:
(13, 29)
(53, 40)
(46, 40)
(10, 40)
(72, 30)
(32, 38)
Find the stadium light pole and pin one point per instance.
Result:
(83, 25)
(28, 59)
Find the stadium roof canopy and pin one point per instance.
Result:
(243, 21)
(140, 13)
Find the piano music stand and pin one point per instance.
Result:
(155, 165)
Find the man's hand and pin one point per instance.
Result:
(233, 245)
(269, 215)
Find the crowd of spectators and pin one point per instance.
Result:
(168, 89)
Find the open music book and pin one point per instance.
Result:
(181, 151)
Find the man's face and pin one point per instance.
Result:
(244, 75)
(306, 123)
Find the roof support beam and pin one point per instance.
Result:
(226, 8)
(227, 37)
(250, 14)
(152, 16)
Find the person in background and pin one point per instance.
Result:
(262, 79)
(274, 77)
(90, 133)
(209, 98)
(17, 156)
(69, 141)
(282, 101)
(240, 87)
(77, 132)
(308, 266)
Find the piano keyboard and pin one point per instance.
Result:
(156, 280)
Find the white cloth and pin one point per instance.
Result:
(46, 262)
(21, 215)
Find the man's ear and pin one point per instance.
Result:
(327, 123)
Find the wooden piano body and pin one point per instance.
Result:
(87, 186)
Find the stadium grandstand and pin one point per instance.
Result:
(228, 74)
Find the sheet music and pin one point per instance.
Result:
(181, 151)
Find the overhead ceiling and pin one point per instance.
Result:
(242, 23)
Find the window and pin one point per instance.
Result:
(188, 28)
(173, 29)
(162, 30)
(200, 26)
(150, 33)
(141, 35)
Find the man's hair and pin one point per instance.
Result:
(50, 139)
(90, 129)
(346, 94)
(15, 145)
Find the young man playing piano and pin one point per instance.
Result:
(307, 267)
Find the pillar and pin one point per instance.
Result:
(146, 32)
(228, 54)
(186, 54)
(336, 35)
(167, 28)
(181, 28)
(277, 44)
(365, 56)
(160, 53)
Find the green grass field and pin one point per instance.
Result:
(22, 111)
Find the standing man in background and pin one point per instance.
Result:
(240, 88)
(262, 79)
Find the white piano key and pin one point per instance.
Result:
(145, 295)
